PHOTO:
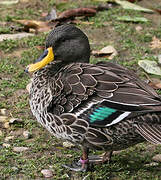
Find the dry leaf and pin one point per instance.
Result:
(155, 83)
(68, 14)
(108, 51)
(47, 173)
(38, 26)
(156, 43)
(150, 66)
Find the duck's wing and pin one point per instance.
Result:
(103, 94)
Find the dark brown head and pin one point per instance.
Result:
(66, 44)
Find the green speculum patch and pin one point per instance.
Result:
(101, 113)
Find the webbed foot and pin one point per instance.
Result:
(78, 166)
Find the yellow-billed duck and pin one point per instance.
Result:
(101, 106)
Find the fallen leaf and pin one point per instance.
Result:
(108, 51)
(9, 2)
(128, 5)
(14, 36)
(47, 173)
(132, 19)
(20, 149)
(156, 43)
(68, 14)
(38, 26)
(3, 112)
(150, 66)
(155, 83)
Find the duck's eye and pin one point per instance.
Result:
(63, 40)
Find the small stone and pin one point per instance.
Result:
(157, 158)
(138, 28)
(6, 125)
(68, 144)
(20, 149)
(3, 119)
(6, 145)
(26, 134)
(8, 138)
(69, 155)
(3, 112)
(47, 173)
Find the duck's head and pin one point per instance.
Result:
(64, 44)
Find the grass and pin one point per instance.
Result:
(46, 152)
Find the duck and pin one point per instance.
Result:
(101, 106)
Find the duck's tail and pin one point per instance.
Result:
(151, 132)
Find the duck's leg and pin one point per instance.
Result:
(100, 159)
(107, 157)
(82, 164)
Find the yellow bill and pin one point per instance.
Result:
(42, 61)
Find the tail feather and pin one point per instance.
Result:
(151, 133)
